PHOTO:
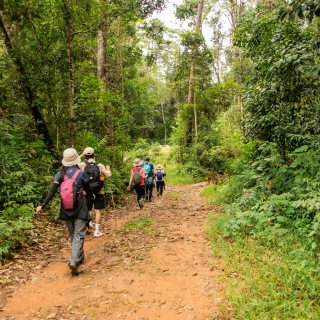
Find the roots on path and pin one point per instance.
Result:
(166, 273)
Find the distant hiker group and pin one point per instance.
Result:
(143, 176)
(82, 188)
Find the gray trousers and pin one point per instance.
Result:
(77, 231)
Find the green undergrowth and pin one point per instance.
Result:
(142, 223)
(273, 281)
(15, 225)
(177, 173)
(209, 193)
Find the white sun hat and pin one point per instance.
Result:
(136, 163)
(159, 166)
(70, 157)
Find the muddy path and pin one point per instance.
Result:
(168, 274)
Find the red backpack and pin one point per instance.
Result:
(68, 191)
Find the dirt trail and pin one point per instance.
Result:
(128, 275)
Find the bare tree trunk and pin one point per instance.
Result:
(216, 71)
(69, 44)
(164, 122)
(122, 102)
(10, 43)
(195, 122)
(102, 44)
(102, 72)
(193, 65)
(118, 60)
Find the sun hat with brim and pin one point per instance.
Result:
(159, 166)
(70, 157)
(137, 163)
(88, 151)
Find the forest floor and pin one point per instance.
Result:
(166, 273)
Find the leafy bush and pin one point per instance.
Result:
(141, 148)
(25, 167)
(15, 224)
(268, 197)
(155, 150)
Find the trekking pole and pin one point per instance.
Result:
(114, 207)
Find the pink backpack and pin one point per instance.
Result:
(69, 190)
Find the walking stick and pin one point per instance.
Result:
(114, 207)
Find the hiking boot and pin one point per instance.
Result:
(74, 269)
(147, 197)
(140, 204)
(158, 194)
(89, 227)
(97, 234)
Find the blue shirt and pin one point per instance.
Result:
(81, 178)
(151, 167)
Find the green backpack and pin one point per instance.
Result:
(137, 177)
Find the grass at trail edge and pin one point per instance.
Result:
(265, 282)
(142, 223)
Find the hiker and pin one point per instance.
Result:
(95, 172)
(160, 180)
(73, 208)
(138, 178)
(149, 180)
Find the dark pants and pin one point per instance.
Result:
(140, 192)
(160, 185)
(149, 187)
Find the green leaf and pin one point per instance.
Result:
(292, 16)
(282, 231)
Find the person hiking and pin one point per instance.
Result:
(137, 177)
(73, 208)
(160, 180)
(149, 180)
(96, 173)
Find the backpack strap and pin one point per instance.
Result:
(74, 176)
(136, 171)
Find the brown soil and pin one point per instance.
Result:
(166, 274)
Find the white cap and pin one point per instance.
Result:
(88, 151)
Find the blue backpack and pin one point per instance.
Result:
(147, 167)
(159, 175)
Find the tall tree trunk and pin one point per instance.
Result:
(10, 43)
(193, 65)
(122, 102)
(195, 121)
(118, 60)
(164, 122)
(69, 44)
(102, 73)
